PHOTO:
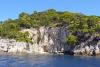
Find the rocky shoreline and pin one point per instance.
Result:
(50, 40)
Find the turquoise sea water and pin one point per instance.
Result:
(48, 61)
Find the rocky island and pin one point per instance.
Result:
(51, 31)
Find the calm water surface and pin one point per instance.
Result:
(48, 61)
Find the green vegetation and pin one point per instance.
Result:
(77, 23)
(71, 39)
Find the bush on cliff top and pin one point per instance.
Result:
(76, 22)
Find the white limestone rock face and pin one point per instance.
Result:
(48, 39)
(88, 49)
(97, 50)
(44, 39)
(17, 47)
(8, 45)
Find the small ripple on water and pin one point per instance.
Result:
(48, 61)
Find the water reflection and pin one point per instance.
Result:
(30, 60)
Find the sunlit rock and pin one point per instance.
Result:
(48, 40)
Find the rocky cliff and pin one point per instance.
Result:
(44, 39)
(51, 40)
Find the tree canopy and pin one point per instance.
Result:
(77, 22)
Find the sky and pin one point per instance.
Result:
(12, 8)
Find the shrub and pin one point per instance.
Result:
(71, 39)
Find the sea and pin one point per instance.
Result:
(48, 60)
